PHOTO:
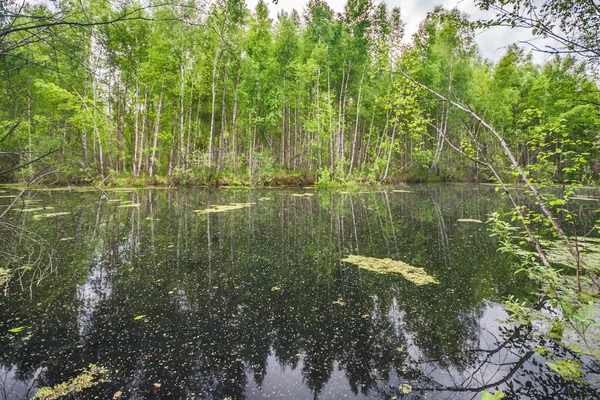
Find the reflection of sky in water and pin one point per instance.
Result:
(255, 303)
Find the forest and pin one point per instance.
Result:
(186, 92)
(109, 266)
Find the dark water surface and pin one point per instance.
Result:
(255, 302)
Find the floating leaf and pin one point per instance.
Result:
(18, 329)
(137, 318)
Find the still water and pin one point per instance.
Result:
(254, 302)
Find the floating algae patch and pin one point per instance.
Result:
(90, 377)
(416, 275)
(477, 221)
(223, 208)
(51, 215)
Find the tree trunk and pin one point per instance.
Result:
(156, 130)
(356, 123)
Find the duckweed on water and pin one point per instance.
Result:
(416, 275)
(222, 208)
(91, 376)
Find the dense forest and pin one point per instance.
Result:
(184, 92)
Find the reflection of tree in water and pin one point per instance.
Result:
(223, 294)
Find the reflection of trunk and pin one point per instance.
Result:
(442, 232)
(354, 224)
(387, 203)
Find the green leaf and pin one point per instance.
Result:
(18, 329)
(137, 318)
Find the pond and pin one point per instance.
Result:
(243, 294)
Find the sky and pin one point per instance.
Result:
(492, 43)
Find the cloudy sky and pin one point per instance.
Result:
(492, 43)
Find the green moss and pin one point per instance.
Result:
(416, 275)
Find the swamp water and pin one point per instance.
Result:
(237, 293)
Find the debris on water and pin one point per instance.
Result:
(416, 275)
(339, 302)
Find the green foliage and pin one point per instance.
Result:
(244, 95)
(497, 395)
